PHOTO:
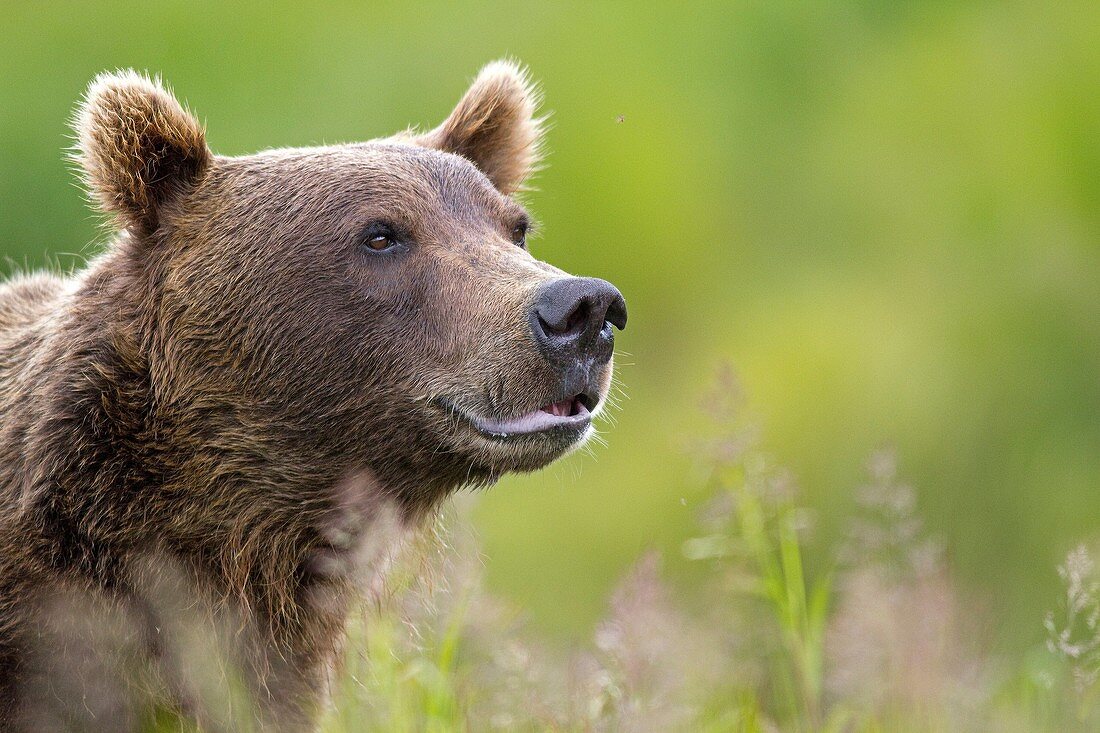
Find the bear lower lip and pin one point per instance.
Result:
(568, 415)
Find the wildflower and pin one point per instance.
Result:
(1077, 638)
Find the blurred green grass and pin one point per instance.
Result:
(885, 213)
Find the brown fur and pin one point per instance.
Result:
(236, 393)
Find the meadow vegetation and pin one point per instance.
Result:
(883, 639)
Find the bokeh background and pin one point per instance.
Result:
(885, 214)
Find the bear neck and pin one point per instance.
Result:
(111, 476)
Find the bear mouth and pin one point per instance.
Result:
(570, 415)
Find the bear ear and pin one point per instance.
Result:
(494, 126)
(138, 147)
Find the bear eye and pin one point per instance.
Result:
(519, 234)
(379, 237)
(380, 242)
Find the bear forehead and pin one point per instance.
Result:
(394, 173)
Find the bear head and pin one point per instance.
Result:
(361, 306)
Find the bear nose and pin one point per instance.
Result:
(572, 318)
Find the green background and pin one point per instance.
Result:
(884, 214)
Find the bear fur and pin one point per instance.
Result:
(216, 415)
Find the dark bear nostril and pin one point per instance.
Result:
(569, 316)
(574, 322)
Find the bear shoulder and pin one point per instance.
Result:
(25, 299)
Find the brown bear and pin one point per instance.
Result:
(273, 352)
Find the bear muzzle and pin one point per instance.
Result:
(572, 321)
